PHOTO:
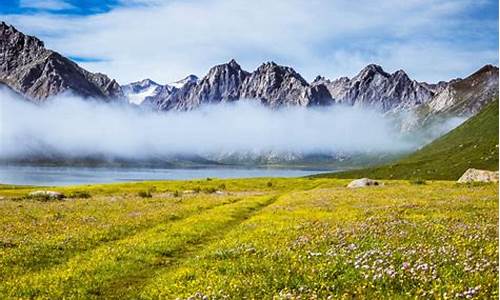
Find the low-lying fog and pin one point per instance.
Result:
(73, 127)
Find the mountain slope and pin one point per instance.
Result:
(474, 144)
(30, 69)
(180, 83)
(468, 95)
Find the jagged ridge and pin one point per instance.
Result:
(30, 69)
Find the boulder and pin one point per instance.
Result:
(472, 175)
(51, 195)
(363, 182)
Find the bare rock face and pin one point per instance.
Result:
(472, 175)
(363, 182)
(375, 88)
(278, 86)
(30, 69)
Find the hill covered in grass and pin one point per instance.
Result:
(474, 144)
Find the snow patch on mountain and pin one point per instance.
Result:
(136, 92)
(179, 84)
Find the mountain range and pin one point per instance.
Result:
(37, 73)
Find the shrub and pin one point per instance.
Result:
(40, 197)
(222, 186)
(145, 194)
(80, 195)
(269, 184)
(418, 181)
(210, 190)
(197, 189)
(472, 184)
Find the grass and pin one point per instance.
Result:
(306, 238)
(473, 144)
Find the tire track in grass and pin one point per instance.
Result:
(39, 257)
(288, 208)
(129, 287)
(132, 260)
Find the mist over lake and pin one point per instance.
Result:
(69, 127)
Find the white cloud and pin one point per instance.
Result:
(45, 4)
(168, 40)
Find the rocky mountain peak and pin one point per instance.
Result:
(146, 82)
(14, 37)
(275, 85)
(400, 74)
(371, 70)
(279, 72)
(374, 87)
(319, 79)
(233, 64)
(35, 72)
(221, 84)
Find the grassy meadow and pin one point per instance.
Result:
(307, 238)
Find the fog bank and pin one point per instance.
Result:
(70, 126)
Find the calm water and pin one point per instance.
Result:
(26, 175)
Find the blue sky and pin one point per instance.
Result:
(74, 7)
(166, 40)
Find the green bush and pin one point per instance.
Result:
(210, 190)
(43, 198)
(472, 184)
(145, 194)
(80, 195)
(417, 181)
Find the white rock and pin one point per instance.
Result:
(479, 175)
(363, 182)
(48, 194)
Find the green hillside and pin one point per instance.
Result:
(473, 144)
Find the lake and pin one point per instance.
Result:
(58, 176)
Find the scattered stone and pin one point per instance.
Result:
(363, 182)
(472, 175)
